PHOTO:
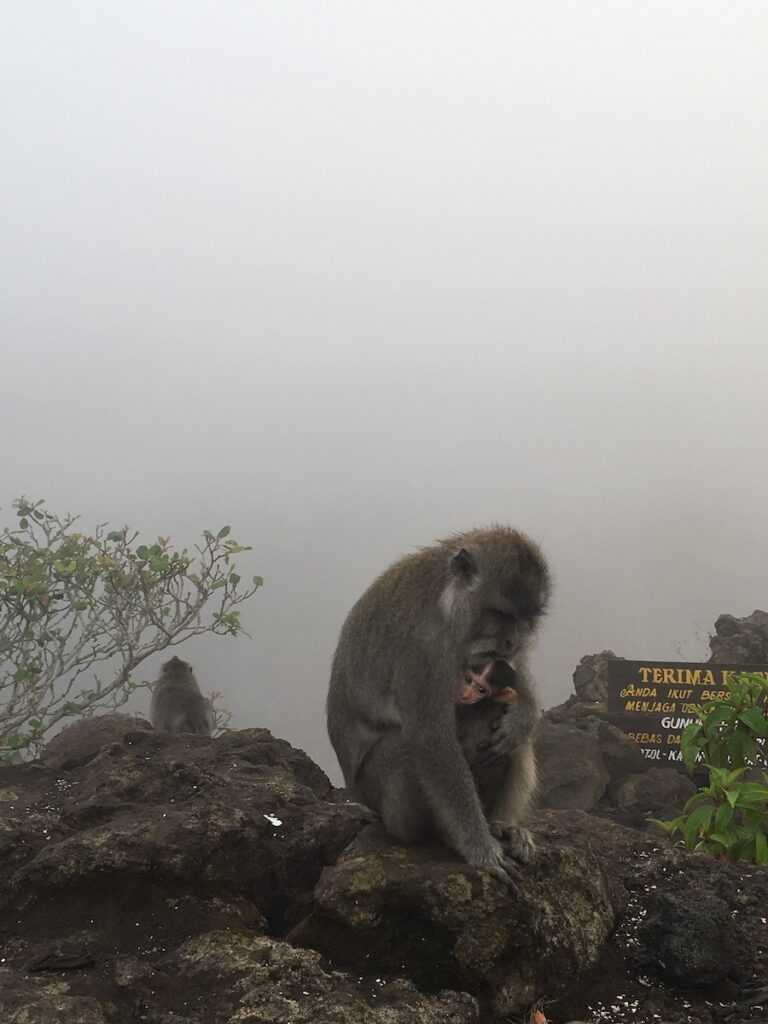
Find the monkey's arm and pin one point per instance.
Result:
(474, 725)
(508, 731)
(513, 800)
(441, 773)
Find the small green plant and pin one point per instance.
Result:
(727, 731)
(728, 817)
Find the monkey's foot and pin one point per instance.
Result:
(517, 841)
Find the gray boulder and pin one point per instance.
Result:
(572, 773)
(653, 793)
(742, 641)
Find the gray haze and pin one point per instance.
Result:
(353, 275)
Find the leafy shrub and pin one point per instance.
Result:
(728, 817)
(71, 603)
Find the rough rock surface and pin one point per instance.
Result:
(217, 881)
(653, 793)
(742, 641)
(621, 756)
(571, 768)
(443, 923)
(689, 938)
(590, 680)
(80, 741)
(586, 762)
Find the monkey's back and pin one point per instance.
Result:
(180, 707)
(387, 635)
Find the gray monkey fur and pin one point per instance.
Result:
(428, 771)
(177, 703)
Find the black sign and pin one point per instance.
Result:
(653, 701)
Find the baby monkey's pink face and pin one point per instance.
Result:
(474, 687)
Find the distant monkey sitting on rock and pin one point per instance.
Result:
(177, 704)
(433, 771)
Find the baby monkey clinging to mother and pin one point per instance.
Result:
(495, 680)
(463, 776)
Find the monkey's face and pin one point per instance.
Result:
(501, 583)
(474, 688)
(501, 633)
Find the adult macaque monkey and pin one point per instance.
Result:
(177, 704)
(392, 714)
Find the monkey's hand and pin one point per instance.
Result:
(508, 731)
(500, 866)
(515, 839)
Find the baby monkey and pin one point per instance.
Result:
(496, 680)
(484, 700)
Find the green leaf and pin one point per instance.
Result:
(743, 747)
(757, 686)
(223, 532)
(668, 826)
(723, 840)
(723, 817)
(698, 822)
(722, 715)
(695, 800)
(690, 742)
(751, 793)
(753, 718)
(755, 819)
(730, 835)
(761, 849)
(258, 581)
(731, 777)
(219, 584)
(234, 579)
(23, 523)
(142, 551)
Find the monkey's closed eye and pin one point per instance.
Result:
(506, 617)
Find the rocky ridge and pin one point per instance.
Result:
(184, 880)
(181, 879)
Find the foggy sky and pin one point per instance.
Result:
(350, 276)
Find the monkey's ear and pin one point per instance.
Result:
(464, 565)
